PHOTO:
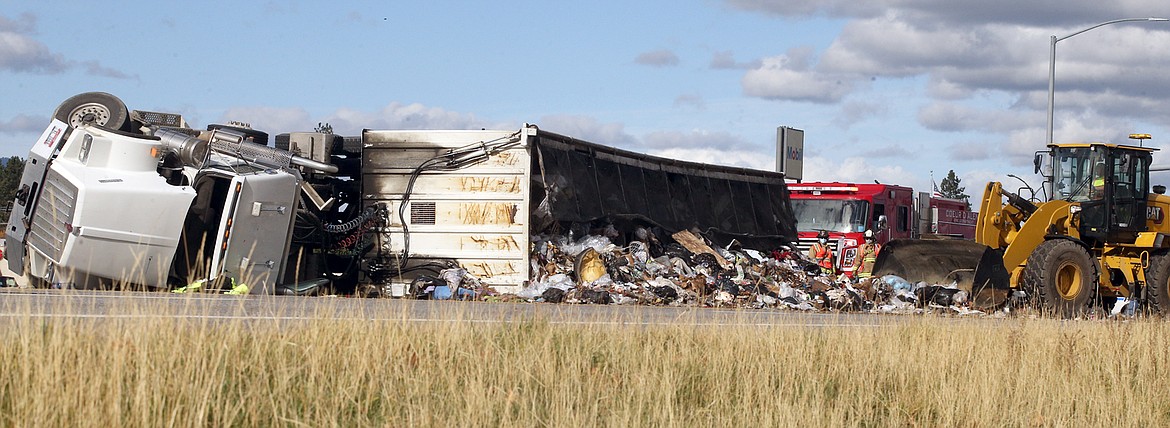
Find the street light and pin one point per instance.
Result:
(1052, 62)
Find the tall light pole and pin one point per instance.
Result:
(1052, 63)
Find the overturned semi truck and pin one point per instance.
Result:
(113, 196)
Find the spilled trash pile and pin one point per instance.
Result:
(452, 283)
(690, 272)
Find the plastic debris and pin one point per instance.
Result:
(684, 269)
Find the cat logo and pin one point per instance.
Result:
(1154, 214)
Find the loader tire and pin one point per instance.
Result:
(1158, 285)
(1061, 278)
(100, 108)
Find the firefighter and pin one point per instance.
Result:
(866, 256)
(821, 253)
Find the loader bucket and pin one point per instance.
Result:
(971, 266)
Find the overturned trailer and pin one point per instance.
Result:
(112, 196)
(474, 199)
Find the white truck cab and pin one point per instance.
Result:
(98, 207)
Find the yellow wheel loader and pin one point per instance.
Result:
(1101, 234)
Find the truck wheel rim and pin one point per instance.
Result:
(1068, 281)
(101, 114)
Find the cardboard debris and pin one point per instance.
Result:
(689, 272)
(697, 246)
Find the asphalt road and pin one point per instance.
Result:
(22, 304)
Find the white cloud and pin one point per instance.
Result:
(657, 58)
(695, 102)
(974, 150)
(589, 129)
(21, 53)
(960, 12)
(273, 120)
(799, 8)
(975, 180)
(1057, 13)
(693, 139)
(23, 123)
(25, 24)
(714, 147)
(721, 148)
(858, 170)
(954, 117)
(982, 67)
(403, 116)
(789, 77)
(725, 60)
(741, 158)
(943, 89)
(94, 68)
(892, 152)
(348, 121)
(856, 111)
(865, 170)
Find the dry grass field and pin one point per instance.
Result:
(156, 370)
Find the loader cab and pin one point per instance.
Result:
(1111, 184)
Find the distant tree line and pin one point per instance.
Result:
(10, 173)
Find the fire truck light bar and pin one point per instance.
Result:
(824, 188)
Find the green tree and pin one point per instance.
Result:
(9, 178)
(950, 188)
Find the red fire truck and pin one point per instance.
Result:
(846, 210)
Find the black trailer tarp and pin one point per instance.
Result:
(576, 181)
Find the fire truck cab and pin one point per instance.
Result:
(846, 210)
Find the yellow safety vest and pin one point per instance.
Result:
(868, 257)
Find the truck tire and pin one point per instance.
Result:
(1158, 281)
(1061, 278)
(99, 107)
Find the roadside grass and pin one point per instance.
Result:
(156, 369)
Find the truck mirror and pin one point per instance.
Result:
(1036, 161)
(882, 222)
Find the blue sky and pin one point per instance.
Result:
(885, 90)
